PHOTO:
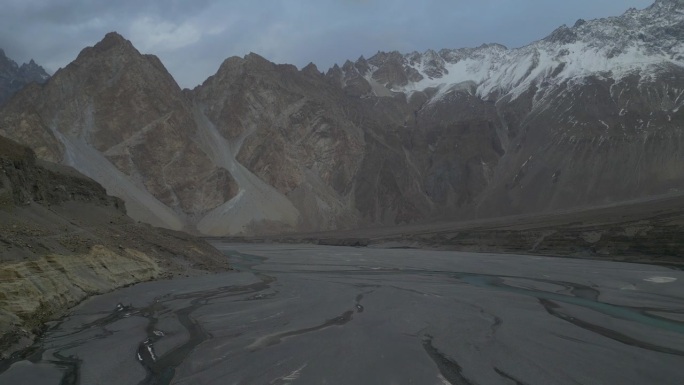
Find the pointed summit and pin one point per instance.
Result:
(257, 62)
(256, 58)
(348, 66)
(362, 65)
(32, 72)
(562, 35)
(111, 41)
(311, 69)
(113, 54)
(335, 72)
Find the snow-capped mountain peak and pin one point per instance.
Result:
(639, 41)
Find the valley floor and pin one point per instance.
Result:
(309, 314)
(643, 231)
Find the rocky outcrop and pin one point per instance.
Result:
(62, 239)
(36, 291)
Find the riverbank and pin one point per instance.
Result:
(63, 239)
(43, 276)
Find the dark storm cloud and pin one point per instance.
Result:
(193, 37)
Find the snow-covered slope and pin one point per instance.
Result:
(590, 114)
(638, 41)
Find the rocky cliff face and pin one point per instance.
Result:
(589, 115)
(14, 77)
(286, 137)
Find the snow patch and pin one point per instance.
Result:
(605, 48)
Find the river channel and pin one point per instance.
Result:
(303, 314)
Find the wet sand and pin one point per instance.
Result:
(304, 314)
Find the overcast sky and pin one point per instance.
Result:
(193, 37)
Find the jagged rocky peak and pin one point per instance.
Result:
(231, 64)
(33, 73)
(348, 67)
(257, 61)
(114, 62)
(562, 35)
(30, 72)
(334, 72)
(351, 76)
(395, 70)
(636, 41)
(112, 39)
(362, 65)
(311, 69)
(14, 77)
(453, 56)
(433, 64)
(29, 67)
(381, 58)
(114, 55)
(253, 63)
(229, 68)
(112, 42)
(392, 69)
(581, 22)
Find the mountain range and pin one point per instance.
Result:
(589, 115)
(14, 77)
